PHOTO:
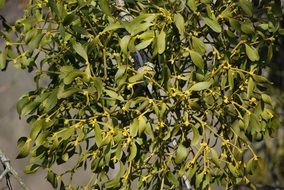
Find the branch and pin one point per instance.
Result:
(10, 170)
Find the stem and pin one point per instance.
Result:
(5, 161)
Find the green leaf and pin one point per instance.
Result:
(227, 13)
(112, 184)
(99, 86)
(133, 152)
(66, 69)
(192, 5)
(235, 24)
(70, 77)
(192, 171)
(231, 79)
(65, 133)
(52, 178)
(260, 79)
(112, 27)
(81, 51)
(269, 53)
(213, 24)
(114, 95)
(143, 44)
(29, 107)
(149, 34)
(31, 168)
(98, 135)
(3, 61)
(247, 27)
(142, 124)
(233, 170)
(35, 42)
(251, 87)
(281, 31)
(136, 27)
(215, 157)
(24, 147)
(179, 22)
(246, 6)
(172, 179)
(149, 132)
(181, 154)
(124, 44)
(206, 181)
(198, 45)
(198, 179)
(65, 93)
(65, 157)
(161, 42)
(267, 114)
(36, 128)
(21, 104)
(120, 72)
(133, 127)
(69, 19)
(266, 99)
(200, 86)
(252, 53)
(263, 26)
(30, 35)
(53, 6)
(51, 101)
(104, 5)
(250, 166)
(135, 78)
(254, 123)
(195, 137)
(197, 59)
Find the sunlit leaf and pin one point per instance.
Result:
(252, 53)
(200, 86)
(143, 44)
(133, 151)
(124, 44)
(161, 42)
(3, 59)
(81, 50)
(251, 87)
(32, 168)
(213, 24)
(192, 5)
(198, 45)
(181, 154)
(180, 24)
(197, 59)
(24, 147)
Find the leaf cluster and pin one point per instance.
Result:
(190, 112)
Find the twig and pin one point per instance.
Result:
(10, 170)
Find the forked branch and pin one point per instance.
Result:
(9, 170)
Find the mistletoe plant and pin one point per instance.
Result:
(146, 94)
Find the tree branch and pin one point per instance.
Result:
(8, 169)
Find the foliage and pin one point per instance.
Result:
(189, 113)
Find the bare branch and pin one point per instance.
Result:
(10, 170)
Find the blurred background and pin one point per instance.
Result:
(16, 82)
